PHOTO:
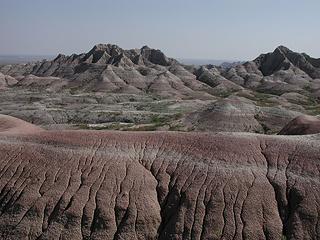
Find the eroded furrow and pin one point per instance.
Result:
(158, 186)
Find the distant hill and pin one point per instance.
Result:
(14, 59)
(111, 84)
(199, 62)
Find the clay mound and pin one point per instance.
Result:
(120, 185)
(41, 83)
(6, 81)
(238, 114)
(12, 125)
(302, 125)
(226, 115)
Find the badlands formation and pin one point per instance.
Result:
(209, 152)
(142, 89)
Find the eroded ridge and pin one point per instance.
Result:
(118, 185)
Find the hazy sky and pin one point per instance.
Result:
(207, 29)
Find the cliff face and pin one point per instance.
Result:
(138, 185)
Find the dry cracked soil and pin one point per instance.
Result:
(157, 185)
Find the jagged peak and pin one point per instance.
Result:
(145, 47)
(283, 49)
(103, 47)
(108, 53)
(60, 55)
(100, 46)
(282, 58)
(280, 50)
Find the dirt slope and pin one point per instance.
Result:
(302, 125)
(12, 125)
(121, 185)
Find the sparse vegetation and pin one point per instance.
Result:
(176, 127)
(261, 99)
(143, 128)
(313, 110)
(153, 124)
(308, 88)
(224, 94)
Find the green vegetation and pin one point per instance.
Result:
(73, 90)
(266, 129)
(156, 121)
(313, 109)
(313, 100)
(176, 127)
(224, 94)
(112, 126)
(271, 91)
(313, 106)
(307, 88)
(261, 99)
(143, 128)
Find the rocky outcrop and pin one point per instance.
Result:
(155, 56)
(302, 125)
(116, 185)
(283, 59)
(6, 81)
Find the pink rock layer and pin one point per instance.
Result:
(158, 185)
(302, 125)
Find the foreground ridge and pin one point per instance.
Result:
(120, 185)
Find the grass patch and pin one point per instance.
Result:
(143, 128)
(313, 107)
(308, 88)
(224, 94)
(153, 124)
(313, 110)
(113, 126)
(158, 120)
(177, 127)
(261, 99)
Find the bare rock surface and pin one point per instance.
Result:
(302, 125)
(6, 81)
(139, 185)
